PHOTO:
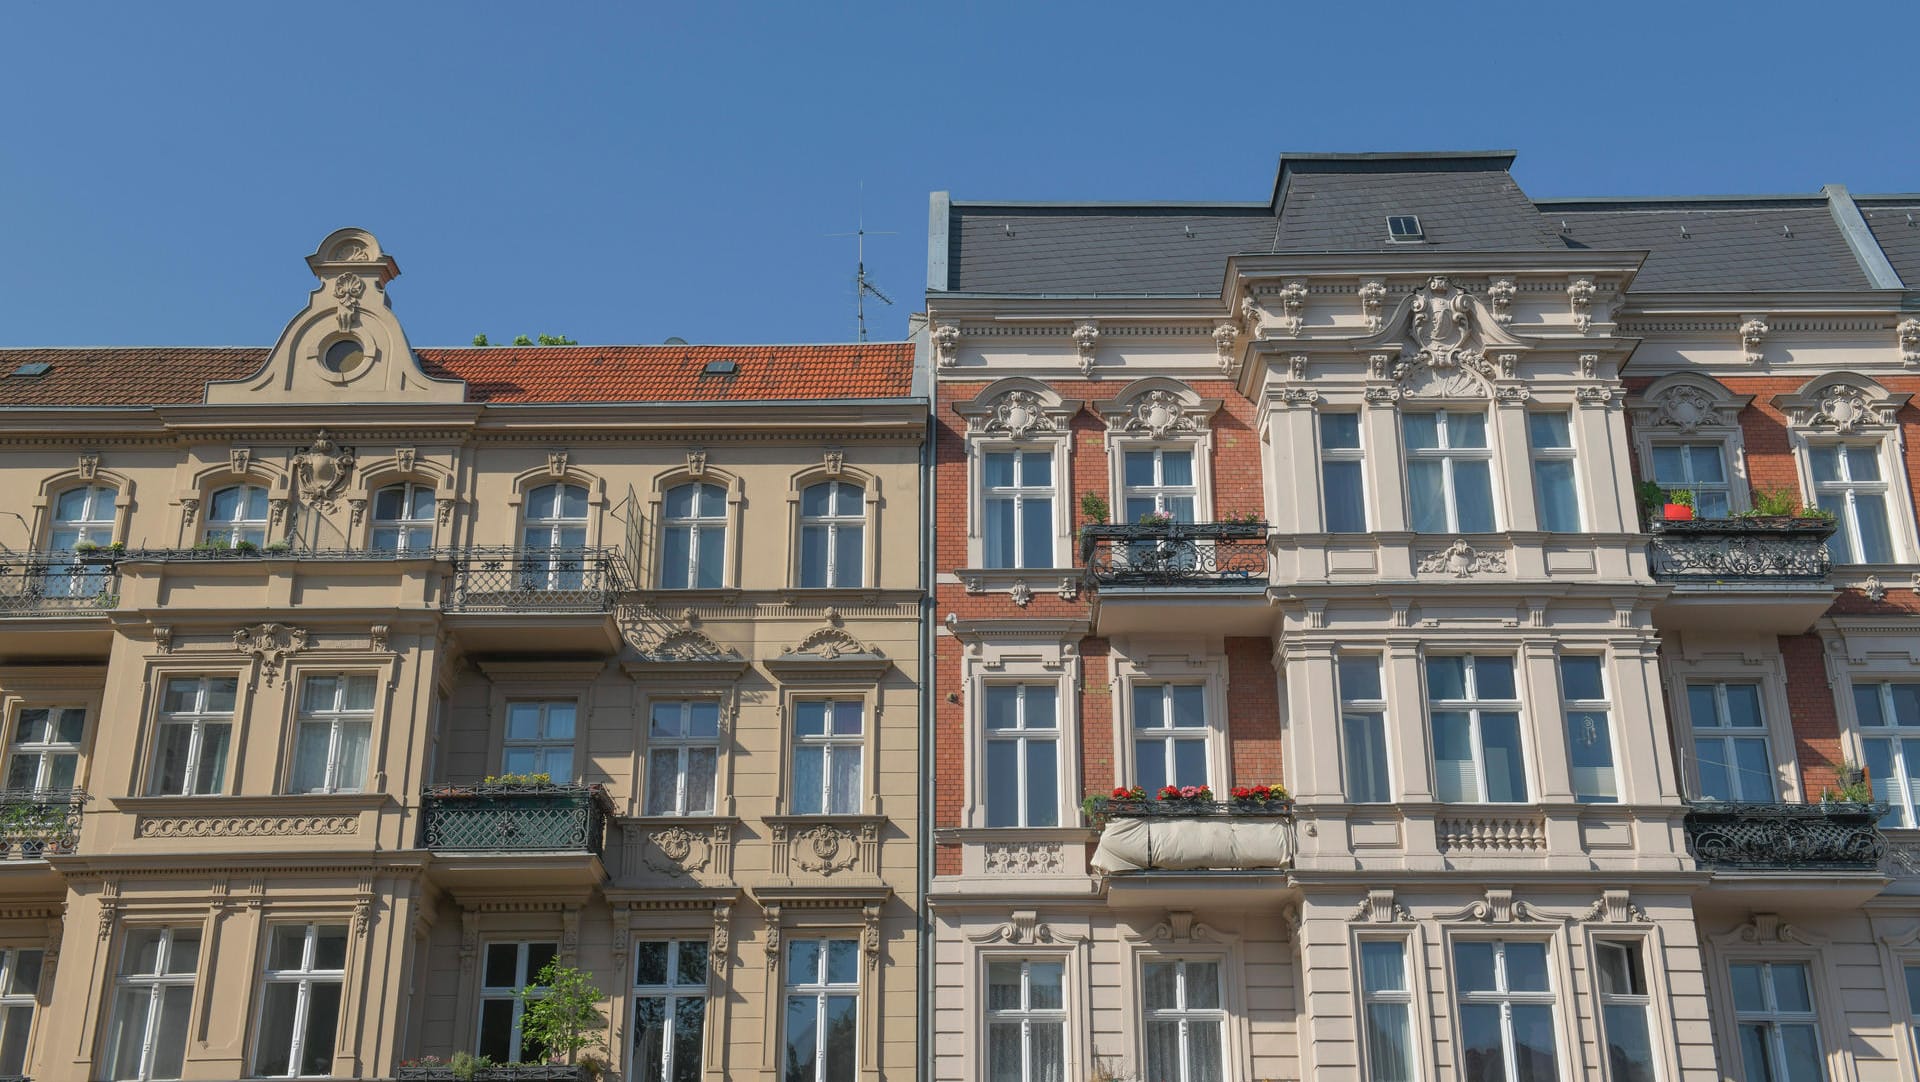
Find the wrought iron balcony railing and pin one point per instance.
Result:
(1786, 837)
(516, 818)
(1192, 835)
(1741, 550)
(516, 1072)
(536, 580)
(57, 584)
(38, 822)
(1177, 554)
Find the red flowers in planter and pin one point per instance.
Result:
(1185, 792)
(1124, 793)
(1260, 793)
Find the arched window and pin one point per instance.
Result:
(403, 518)
(832, 534)
(238, 513)
(554, 535)
(694, 549)
(81, 516)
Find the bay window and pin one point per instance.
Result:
(1026, 1021)
(1506, 1011)
(1475, 711)
(1449, 472)
(1888, 716)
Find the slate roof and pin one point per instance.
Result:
(1466, 201)
(149, 376)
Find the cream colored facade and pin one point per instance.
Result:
(530, 587)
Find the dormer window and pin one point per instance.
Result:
(1402, 228)
(344, 357)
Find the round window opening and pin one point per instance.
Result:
(344, 357)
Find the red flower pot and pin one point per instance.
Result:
(1677, 512)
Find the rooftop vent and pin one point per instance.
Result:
(1404, 227)
(721, 368)
(32, 368)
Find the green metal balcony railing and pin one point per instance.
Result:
(1825, 837)
(499, 818)
(536, 580)
(57, 584)
(38, 822)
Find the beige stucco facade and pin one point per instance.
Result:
(532, 582)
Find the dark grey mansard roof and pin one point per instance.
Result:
(1466, 201)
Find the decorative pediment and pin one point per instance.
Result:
(1158, 408)
(1687, 403)
(1018, 409)
(830, 648)
(1443, 342)
(1843, 403)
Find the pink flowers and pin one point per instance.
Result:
(1185, 792)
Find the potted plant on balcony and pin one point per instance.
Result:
(1096, 805)
(1855, 787)
(1679, 506)
(1185, 794)
(1260, 797)
(562, 1015)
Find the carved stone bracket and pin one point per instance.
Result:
(1908, 332)
(1086, 339)
(1500, 296)
(1753, 338)
(1580, 298)
(1293, 302)
(946, 344)
(1373, 294)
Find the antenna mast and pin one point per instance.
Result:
(862, 285)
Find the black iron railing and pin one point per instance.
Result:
(1183, 554)
(1742, 550)
(1787, 837)
(38, 822)
(536, 580)
(515, 1072)
(515, 818)
(57, 584)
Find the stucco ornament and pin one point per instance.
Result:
(1874, 588)
(1909, 333)
(1020, 414)
(946, 344)
(830, 643)
(1293, 301)
(1443, 353)
(1844, 408)
(1086, 338)
(348, 288)
(1753, 337)
(271, 645)
(826, 849)
(679, 851)
(1500, 295)
(1224, 336)
(1372, 295)
(1462, 560)
(1580, 297)
(1158, 413)
(1253, 315)
(322, 471)
(1686, 408)
(1020, 593)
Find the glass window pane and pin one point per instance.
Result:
(1421, 430)
(1580, 678)
(1753, 770)
(1036, 469)
(1535, 1054)
(288, 946)
(1876, 536)
(1590, 753)
(998, 537)
(809, 780)
(1669, 464)
(1042, 706)
(1506, 771)
(675, 551)
(810, 717)
(1389, 1043)
(1824, 459)
(1482, 1052)
(1427, 496)
(1360, 677)
(1340, 431)
(1466, 430)
(212, 774)
(843, 961)
(1913, 989)
(1383, 965)
(1043, 784)
(712, 558)
(1189, 762)
(1790, 991)
(1803, 1057)
(1036, 532)
(1003, 783)
(1003, 706)
(847, 716)
(997, 470)
(1189, 706)
(1203, 986)
(1748, 993)
(1456, 779)
(703, 767)
(813, 556)
(1549, 430)
(1473, 495)
(15, 1024)
(1003, 986)
(1346, 497)
(1204, 1054)
(650, 962)
(1366, 750)
(170, 1034)
(1137, 469)
(311, 746)
(1045, 985)
(849, 552)
(1493, 677)
(1150, 764)
(1526, 967)
(323, 1015)
(1629, 1044)
(1176, 467)
(1558, 500)
(813, 499)
(1159, 988)
(1447, 677)
(1863, 463)
(663, 780)
(802, 1036)
(1706, 463)
(1743, 705)
(1149, 706)
(846, 780)
(703, 719)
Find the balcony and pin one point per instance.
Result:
(1768, 575)
(1159, 852)
(493, 834)
(54, 604)
(1818, 838)
(561, 598)
(1178, 576)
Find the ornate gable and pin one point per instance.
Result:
(1688, 404)
(1157, 408)
(1844, 404)
(1018, 408)
(1443, 342)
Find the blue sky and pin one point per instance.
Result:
(627, 172)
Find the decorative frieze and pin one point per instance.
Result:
(1462, 560)
(813, 847)
(244, 826)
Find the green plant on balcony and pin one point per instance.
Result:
(1096, 805)
(1093, 508)
(530, 781)
(1773, 503)
(278, 547)
(1260, 795)
(1855, 787)
(1156, 518)
(562, 1012)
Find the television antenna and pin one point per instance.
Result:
(863, 286)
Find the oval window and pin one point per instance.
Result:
(344, 357)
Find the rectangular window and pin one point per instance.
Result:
(1730, 742)
(1847, 482)
(828, 746)
(19, 996)
(540, 739)
(1779, 1031)
(1363, 729)
(45, 753)
(1449, 472)
(823, 1010)
(1506, 1011)
(1342, 483)
(1624, 1011)
(1026, 1021)
(1555, 493)
(300, 1010)
(1158, 481)
(196, 725)
(1583, 691)
(1019, 508)
(1476, 729)
(1023, 755)
(669, 1010)
(1889, 719)
(507, 968)
(1169, 735)
(1699, 468)
(683, 756)
(1387, 1010)
(1185, 1022)
(336, 725)
(152, 1003)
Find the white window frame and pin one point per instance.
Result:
(1372, 708)
(833, 523)
(1158, 490)
(491, 993)
(1637, 947)
(1772, 1017)
(1909, 970)
(1736, 496)
(821, 989)
(1041, 660)
(305, 977)
(1167, 734)
(11, 999)
(1720, 731)
(198, 718)
(1017, 494)
(1847, 520)
(74, 577)
(695, 525)
(831, 744)
(46, 752)
(1136, 662)
(547, 565)
(1021, 737)
(671, 993)
(1506, 999)
(1902, 802)
(335, 719)
(543, 742)
(1186, 1016)
(1447, 455)
(1026, 1015)
(682, 746)
(1409, 996)
(156, 983)
(1356, 455)
(1688, 408)
(233, 531)
(1602, 706)
(1473, 706)
(407, 525)
(1569, 454)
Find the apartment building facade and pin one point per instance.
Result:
(348, 684)
(1343, 491)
